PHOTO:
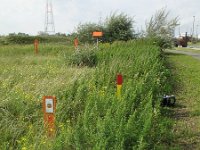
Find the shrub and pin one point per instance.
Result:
(163, 43)
(84, 31)
(119, 27)
(84, 58)
(115, 27)
(26, 39)
(161, 28)
(3, 41)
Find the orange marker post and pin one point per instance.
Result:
(36, 43)
(76, 43)
(119, 85)
(49, 108)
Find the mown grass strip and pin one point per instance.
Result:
(186, 115)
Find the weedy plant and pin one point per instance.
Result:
(84, 57)
(89, 115)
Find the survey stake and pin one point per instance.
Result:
(119, 85)
(49, 108)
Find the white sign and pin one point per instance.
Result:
(49, 105)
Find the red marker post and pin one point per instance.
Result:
(49, 108)
(36, 43)
(119, 85)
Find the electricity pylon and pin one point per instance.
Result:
(49, 20)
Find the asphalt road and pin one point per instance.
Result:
(193, 54)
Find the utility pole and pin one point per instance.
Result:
(49, 20)
(193, 27)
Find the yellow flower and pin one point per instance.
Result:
(102, 93)
(24, 148)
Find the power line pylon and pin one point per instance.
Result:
(49, 20)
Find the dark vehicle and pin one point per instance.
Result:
(182, 41)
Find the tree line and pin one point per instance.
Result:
(120, 27)
(116, 27)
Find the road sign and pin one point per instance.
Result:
(49, 108)
(97, 34)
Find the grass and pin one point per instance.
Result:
(25, 78)
(89, 115)
(186, 115)
(194, 44)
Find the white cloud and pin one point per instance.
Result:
(28, 15)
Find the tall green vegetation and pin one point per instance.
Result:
(116, 27)
(27, 39)
(84, 31)
(89, 115)
(119, 27)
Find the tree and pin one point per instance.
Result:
(161, 27)
(115, 27)
(119, 27)
(84, 31)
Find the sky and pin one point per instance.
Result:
(28, 16)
